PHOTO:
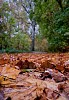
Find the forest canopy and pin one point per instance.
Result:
(40, 25)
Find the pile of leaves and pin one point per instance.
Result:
(34, 76)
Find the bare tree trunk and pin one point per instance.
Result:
(28, 7)
(33, 36)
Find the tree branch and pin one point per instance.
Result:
(23, 5)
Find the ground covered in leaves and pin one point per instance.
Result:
(34, 76)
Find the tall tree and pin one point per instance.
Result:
(20, 15)
(52, 17)
(13, 21)
(28, 5)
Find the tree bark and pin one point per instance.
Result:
(33, 36)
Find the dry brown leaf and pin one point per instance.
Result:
(10, 72)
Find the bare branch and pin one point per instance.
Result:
(23, 5)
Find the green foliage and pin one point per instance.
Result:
(61, 26)
(12, 38)
(11, 21)
(53, 22)
(41, 43)
(18, 43)
(22, 42)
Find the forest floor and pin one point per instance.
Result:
(34, 76)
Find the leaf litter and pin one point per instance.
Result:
(34, 76)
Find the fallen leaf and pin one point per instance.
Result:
(10, 72)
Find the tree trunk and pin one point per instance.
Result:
(33, 36)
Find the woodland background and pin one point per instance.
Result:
(28, 25)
